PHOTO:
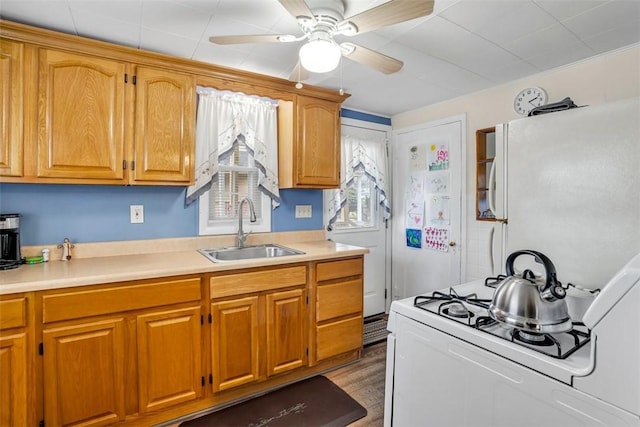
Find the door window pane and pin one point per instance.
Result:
(360, 208)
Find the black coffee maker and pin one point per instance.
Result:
(10, 255)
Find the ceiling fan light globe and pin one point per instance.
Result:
(320, 56)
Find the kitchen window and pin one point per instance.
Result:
(237, 178)
(236, 157)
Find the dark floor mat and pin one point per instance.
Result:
(315, 402)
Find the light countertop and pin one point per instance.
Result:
(57, 274)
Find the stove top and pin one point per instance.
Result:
(471, 310)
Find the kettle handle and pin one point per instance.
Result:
(539, 257)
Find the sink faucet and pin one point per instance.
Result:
(252, 217)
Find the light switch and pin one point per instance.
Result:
(136, 214)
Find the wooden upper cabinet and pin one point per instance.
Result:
(11, 107)
(81, 119)
(309, 143)
(164, 127)
(87, 106)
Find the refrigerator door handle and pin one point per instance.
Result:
(492, 186)
(491, 237)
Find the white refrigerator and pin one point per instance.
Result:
(567, 184)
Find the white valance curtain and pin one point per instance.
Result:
(228, 118)
(363, 151)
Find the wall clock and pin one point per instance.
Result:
(529, 98)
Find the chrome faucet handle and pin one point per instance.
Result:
(241, 239)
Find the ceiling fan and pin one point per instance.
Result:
(322, 20)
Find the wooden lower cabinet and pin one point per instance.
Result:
(116, 353)
(286, 327)
(15, 379)
(257, 334)
(235, 342)
(84, 373)
(339, 307)
(144, 352)
(169, 358)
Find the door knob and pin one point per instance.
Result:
(452, 243)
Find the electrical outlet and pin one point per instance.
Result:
(303, 211)
(136, 214)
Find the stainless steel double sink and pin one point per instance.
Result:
(233, 253)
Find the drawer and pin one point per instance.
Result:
(339, 337)
(336, 269)
(257, 281)
(77, 304)
(339, 299)
(13, 313)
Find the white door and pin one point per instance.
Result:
(361, 222)
(428, 204)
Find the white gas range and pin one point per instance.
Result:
(450, 364)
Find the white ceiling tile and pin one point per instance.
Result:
(208, 7)
(170, 44)
(604, 18)
(461, 80)
(124, 10)
(511, 24)
(227, 56)
(553, 39)
(442, 39)
(263, 14)
(513, 71)
(622, 35)
(174, 18)
(104, 28)
(53, 14)
(562, 10)
(558, 57)
(474, 15)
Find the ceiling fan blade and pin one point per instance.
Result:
(392, 12)
(373, 59)
(260, 38)
(298, 8)
(299, 73)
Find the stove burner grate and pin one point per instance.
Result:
(452, 304)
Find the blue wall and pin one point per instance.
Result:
(96, 213)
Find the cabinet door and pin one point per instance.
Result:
(84, 373)
(164, 127)
(318, 151)
(286, 338)
(81, 116)
(169, 358)
(235, 337)
(11, 108)
(13, 381)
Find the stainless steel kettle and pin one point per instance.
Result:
(528, 303)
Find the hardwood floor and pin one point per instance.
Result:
(364, 381)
